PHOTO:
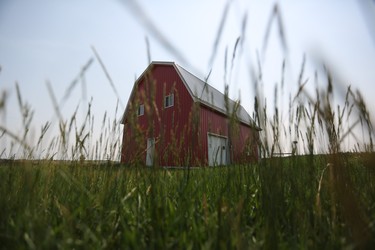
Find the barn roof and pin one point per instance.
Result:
(205, 94)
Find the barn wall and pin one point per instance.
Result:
(245, 144)
(242, 138)
(169, 126)
(133, 145)
(210, 122)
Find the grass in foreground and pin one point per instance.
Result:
(273, 204)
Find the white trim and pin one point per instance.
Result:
(150, 151)
(223, 156)
(214, 134)
(169, 97)
(141, 110)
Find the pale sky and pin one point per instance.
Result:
(50, 40)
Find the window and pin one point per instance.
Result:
(141, 109)
(168, 101)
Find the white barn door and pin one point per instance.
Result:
(217, 150)
(150, 151)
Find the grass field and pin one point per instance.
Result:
(279, 203)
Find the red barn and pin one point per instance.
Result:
(174, 118)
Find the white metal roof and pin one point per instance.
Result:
(206, 94)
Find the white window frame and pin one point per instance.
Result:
(141, 110)
(169, 100)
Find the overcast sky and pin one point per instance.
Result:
(51, 41)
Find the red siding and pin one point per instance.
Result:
(210, 122)
(168, 125)
(242, 137)
(245, 144)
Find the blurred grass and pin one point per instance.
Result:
(53, 204)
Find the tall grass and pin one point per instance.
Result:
(60, 205)
(306, 200)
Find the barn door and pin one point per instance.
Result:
(150, 151)
(217, 150)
